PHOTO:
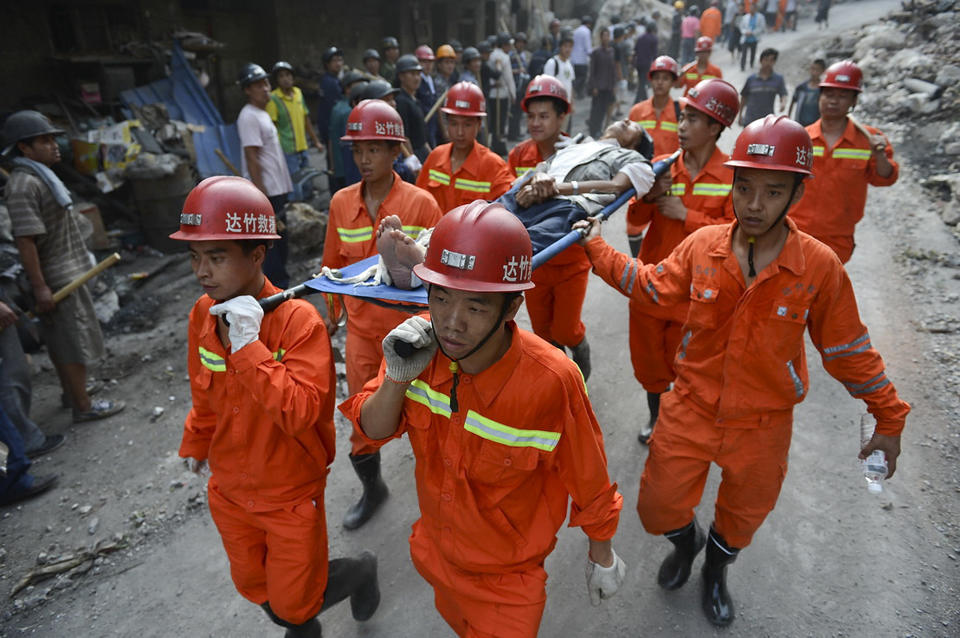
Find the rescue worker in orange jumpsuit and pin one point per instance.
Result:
(699, 195)
(376, 132)
(846, 158)
(464, 170)
(502, 431)
(701, 68)
(556, 301)
(752, 286)
(659, 116)
(262, 415)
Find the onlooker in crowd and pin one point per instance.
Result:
(53, 254)
(623, 53)
(730, 12)
(770, 13)
(427, 92)
(752, 26)
(561, 67)
(806, 96)
(388, 64)
(503, 92)
(330, 92)
(644, 53)
(16, 483)
(823, 14)
(371, 64)
(408, 76)
(291, 116)
(540, 57)
(580, 55)
(735, 37)
(604, 75)
(761, 90)
(519, 61)
(790, 17)
(553, 39)
(263, 162)
(338, 127)
(689, 32)
(675, 24)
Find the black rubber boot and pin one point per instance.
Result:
(717, 604)
(309, 629)
(687, 543)
(581, 356)
(653, 403)
(356, 578)
(375, 492)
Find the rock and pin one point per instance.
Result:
(948, 75)
(921, 103)
(156, 413)
(85, 509)
(911, 61)
(92, 526)
(3, 554)
(306, 228)
(106, 306)
(950, 215)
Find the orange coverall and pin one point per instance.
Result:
(352, 236)
(711, 24)
(556, 302)
(841, 175)
(263, 417)
(495, 478)
(662, 129)
(483, 175)
(741, 368)
(654, 337)
(690, 75)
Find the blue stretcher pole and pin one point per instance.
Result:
(659, 168)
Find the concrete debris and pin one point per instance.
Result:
(306, 228)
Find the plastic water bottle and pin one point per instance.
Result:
(875, 465)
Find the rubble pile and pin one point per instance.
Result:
(911, 67)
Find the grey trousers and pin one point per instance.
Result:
(15, 389)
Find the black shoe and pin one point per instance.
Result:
(717, 604)
(653, 403)
(309, 629)
(50, 443)
(365, 600)
(581, 356)
(675, 568)
(375, 492)
(39, 485)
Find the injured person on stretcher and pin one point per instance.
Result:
(575, 183)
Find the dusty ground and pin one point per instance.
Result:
(831, 560)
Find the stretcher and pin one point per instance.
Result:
(415, 300)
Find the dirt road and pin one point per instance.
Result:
(831, 560)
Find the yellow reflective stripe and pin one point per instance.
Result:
(851, 153)
(413, 231)
(669, 126)
(678, 190)
(707, 76)
(712, 189)
(471, 185)
(523, 170)
(437, 176)
(647, 124)
(353, 235)
(692, 76)
(818, 151)
(436, 402)
(279, 354)
(500, 433)
(212, 361)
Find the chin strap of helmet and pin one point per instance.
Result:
(455, 363)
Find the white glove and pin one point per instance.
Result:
(413, 163)
(603, 582)
(244, 315)
(417, 332)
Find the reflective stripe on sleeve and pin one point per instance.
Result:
(354, 235)
(864, 337)
(436, 402)
(523, 170)
(859, 389)
(212, 361)
(797, 381)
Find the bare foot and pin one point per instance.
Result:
(400, 253)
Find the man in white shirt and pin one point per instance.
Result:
(503, 93)
(580, 57)
(560, 67)
(264, 163)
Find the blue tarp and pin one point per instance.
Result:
(187, 101)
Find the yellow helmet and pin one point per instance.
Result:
(445, 51)
(678, 5)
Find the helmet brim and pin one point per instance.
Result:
(450, 111)
(832, 85)
(767, 167)
(202, 236)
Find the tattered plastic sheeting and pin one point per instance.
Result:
(186, 100)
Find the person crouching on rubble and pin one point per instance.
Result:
(263, 392)
(502, 431)
(753, 287)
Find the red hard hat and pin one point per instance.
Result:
(374, 120)
(717, 98)
(465, 98)
(843, 75)
(704, 43)
(664, 63)
(478, 247)
(775, 143)
(423, 52)
(226, 207)
(546, 86)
